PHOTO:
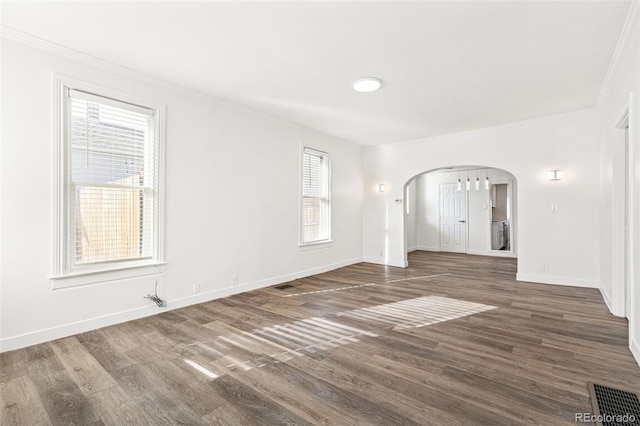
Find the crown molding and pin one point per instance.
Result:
(560, 116)
(58, 49)
(85, 58)
(628, 29)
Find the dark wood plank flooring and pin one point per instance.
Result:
(452, 339)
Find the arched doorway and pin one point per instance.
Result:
(466, 209)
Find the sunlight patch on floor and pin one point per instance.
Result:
(419, 312)
(351, 287)
(245, 350)
(276, 343)
(201, 369)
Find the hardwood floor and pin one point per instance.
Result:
(452, 339)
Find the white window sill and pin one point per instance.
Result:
(98, 276)
(315, 245)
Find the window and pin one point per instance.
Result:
(109, 183)
(316, 197)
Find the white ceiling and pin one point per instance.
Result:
(446, 66)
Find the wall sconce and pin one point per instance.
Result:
(555, 174)
(381, 187)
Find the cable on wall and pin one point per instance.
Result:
(154, 297)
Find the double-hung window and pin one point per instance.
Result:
(316, 197)
(109, 183)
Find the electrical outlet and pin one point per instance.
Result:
(234, 280)
(545, 267)
(196, 287)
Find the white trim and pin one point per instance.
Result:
(304, 149)
(398, 263)
(606, 298)
(116, 103)
(316, 245)
(567, 281)
(558, 117)
(52, 333)
(57, 179)
(374, 260)
(61, 267)
(628, 29)
(635, 350)
(57, 49)
(411, 249)
(428, 248)
(623, 121)
(620, 192)
(94, 277)
(492, 253)
(512, 220)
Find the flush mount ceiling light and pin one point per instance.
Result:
(366, 84)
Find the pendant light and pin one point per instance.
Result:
(486, 180)
(477, 181)
(468, 182)
(459, 185)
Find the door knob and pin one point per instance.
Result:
(462, 221)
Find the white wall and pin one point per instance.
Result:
(478, 210)
(428, 221)
(232, 203)
(566, 240)
(620, 91)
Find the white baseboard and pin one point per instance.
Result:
(635, 349)
(428, 248)
(48, 334)
(494, 253)
(547, 279)
(390, 262)
(410, 249)
(607, 299)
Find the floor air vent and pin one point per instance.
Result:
(283, 286)
(613, 406)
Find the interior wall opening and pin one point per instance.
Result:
(621, 254)
(462, 209)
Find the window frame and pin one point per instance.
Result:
(302, 243)
(63, 274)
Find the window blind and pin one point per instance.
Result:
(111, 180)
(316, 196)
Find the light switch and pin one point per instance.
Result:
(554, 207)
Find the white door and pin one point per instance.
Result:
(453, 218)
